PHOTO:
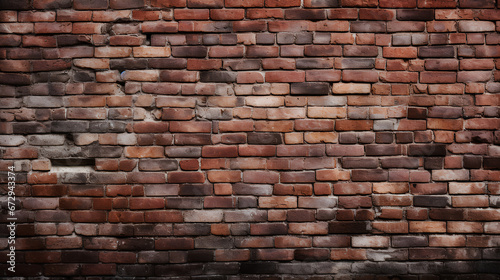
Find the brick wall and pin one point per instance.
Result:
(264, 138)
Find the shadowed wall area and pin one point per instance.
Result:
(250, 139)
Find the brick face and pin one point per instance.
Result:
(259, 139)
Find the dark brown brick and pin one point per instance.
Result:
(430, 201)
(312, 254)
(348, 227)
(436, 51)
(384, 137)
(217, 77)
(447, 214)
(310, 88)
(18, 5)
(174, 244)
(377, 175)
(472, 162)
(404, 137)
(427, 253)
(126, 4)
(409, 241)
(491, 163)
(477, 4)
(418, 15)
(258, 268)
(427, 150)
(179, 269)
(268, 229)
(15, 79)
(200, 256)
(433, 162)
(189, 51)
(400, 162)
(196, 190)
(264, 138)
(90, 4)
(300, 215)
(128, 64)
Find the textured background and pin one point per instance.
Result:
(266, 138)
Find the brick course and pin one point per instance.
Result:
(274, 139)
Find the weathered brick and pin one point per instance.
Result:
(368, 27)
(241, 79)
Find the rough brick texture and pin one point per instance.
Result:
(252, 139)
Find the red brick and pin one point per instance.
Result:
(168, 3)
(282, 3)
(399, 77)
(398, 4)
(146, 203)
(144, 152)
(285, 76)
(204, 64)
(400, 52)
(226, 51)
(219, 202)
(482, 124)
(250, 77)
(348, 254)
(213, 163)
(234, 126)
(362, 76)
(43, 28)
(8, 16)
(263, 177)
(437, 4)
(265, 13)
(185, 177)
(88, 216)
(352, 188)
(191, 14)
(281, 189)
(227, 14)
(359, 3)
(352, 125)
(191, 127)
(219, 176)
(431, 227)
(376, 14)
(322, 50)
(314, 125)
(42, 178)
(17, 153)
(145, 15)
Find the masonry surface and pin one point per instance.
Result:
(251, 139)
